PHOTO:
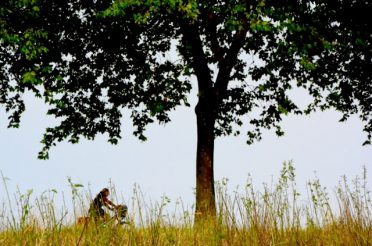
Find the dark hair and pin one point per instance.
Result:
(103, 191)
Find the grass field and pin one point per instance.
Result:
(274, 215)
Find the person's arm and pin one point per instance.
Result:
(109, 204)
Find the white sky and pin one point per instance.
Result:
(165, 164)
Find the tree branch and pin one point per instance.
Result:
(211, 36)
(198, 58)
(226, 66)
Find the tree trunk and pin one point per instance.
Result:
(205, 195)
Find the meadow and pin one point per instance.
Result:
(273, 215)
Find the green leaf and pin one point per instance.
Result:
(36, 8)
(30, 78)
(282, 109)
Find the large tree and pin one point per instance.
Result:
(90, 59)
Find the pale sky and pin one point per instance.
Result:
(165, 164)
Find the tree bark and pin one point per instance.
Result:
(206, 116)
(210, 97)
(205, 194)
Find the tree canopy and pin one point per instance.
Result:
(90, 59)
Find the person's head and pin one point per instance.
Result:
(105, 192)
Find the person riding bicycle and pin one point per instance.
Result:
(101, 200)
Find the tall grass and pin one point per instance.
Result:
(274, 215)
